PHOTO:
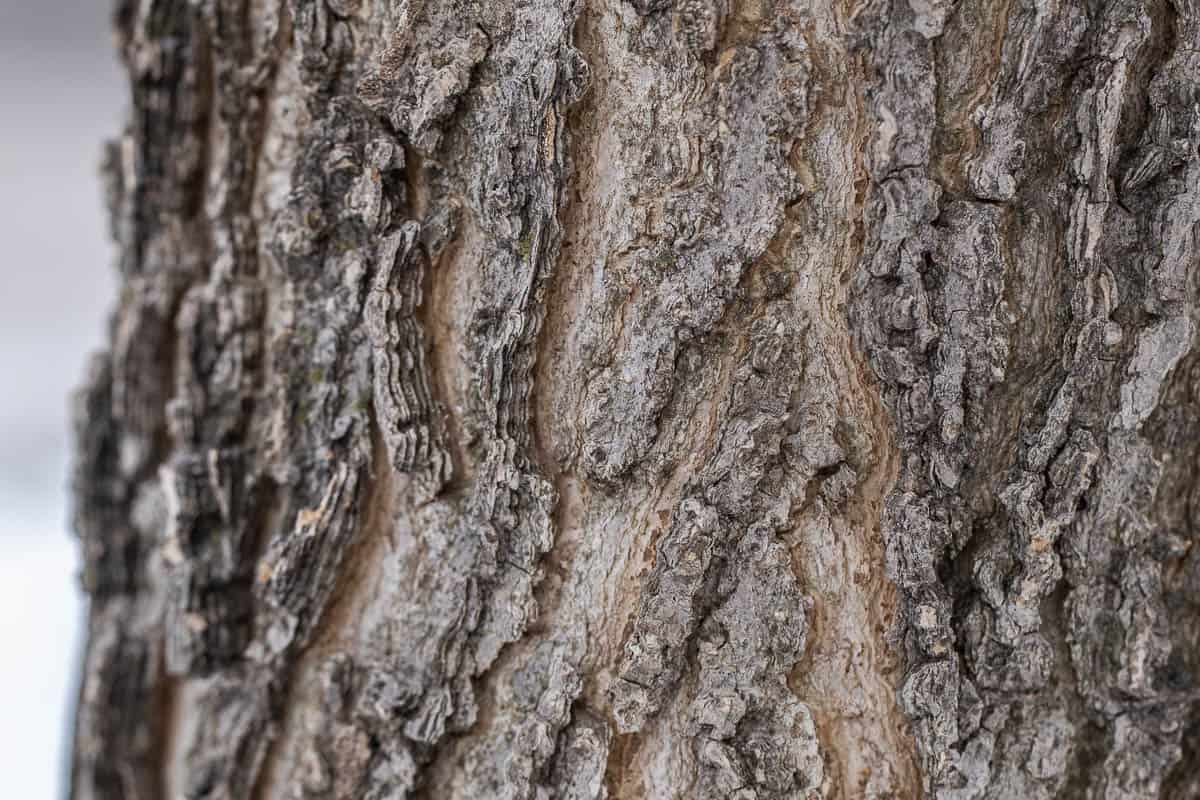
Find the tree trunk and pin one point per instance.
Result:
(647, 399)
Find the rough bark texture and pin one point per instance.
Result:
(648, 399)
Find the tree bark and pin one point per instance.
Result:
(647, 399)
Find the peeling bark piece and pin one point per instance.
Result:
(405, 410)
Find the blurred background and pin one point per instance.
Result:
(61, 94)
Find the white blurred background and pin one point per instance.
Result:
(61, 94)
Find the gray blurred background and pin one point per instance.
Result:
(61, 94)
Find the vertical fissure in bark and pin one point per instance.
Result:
(850, 666)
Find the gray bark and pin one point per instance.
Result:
(647, 399)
